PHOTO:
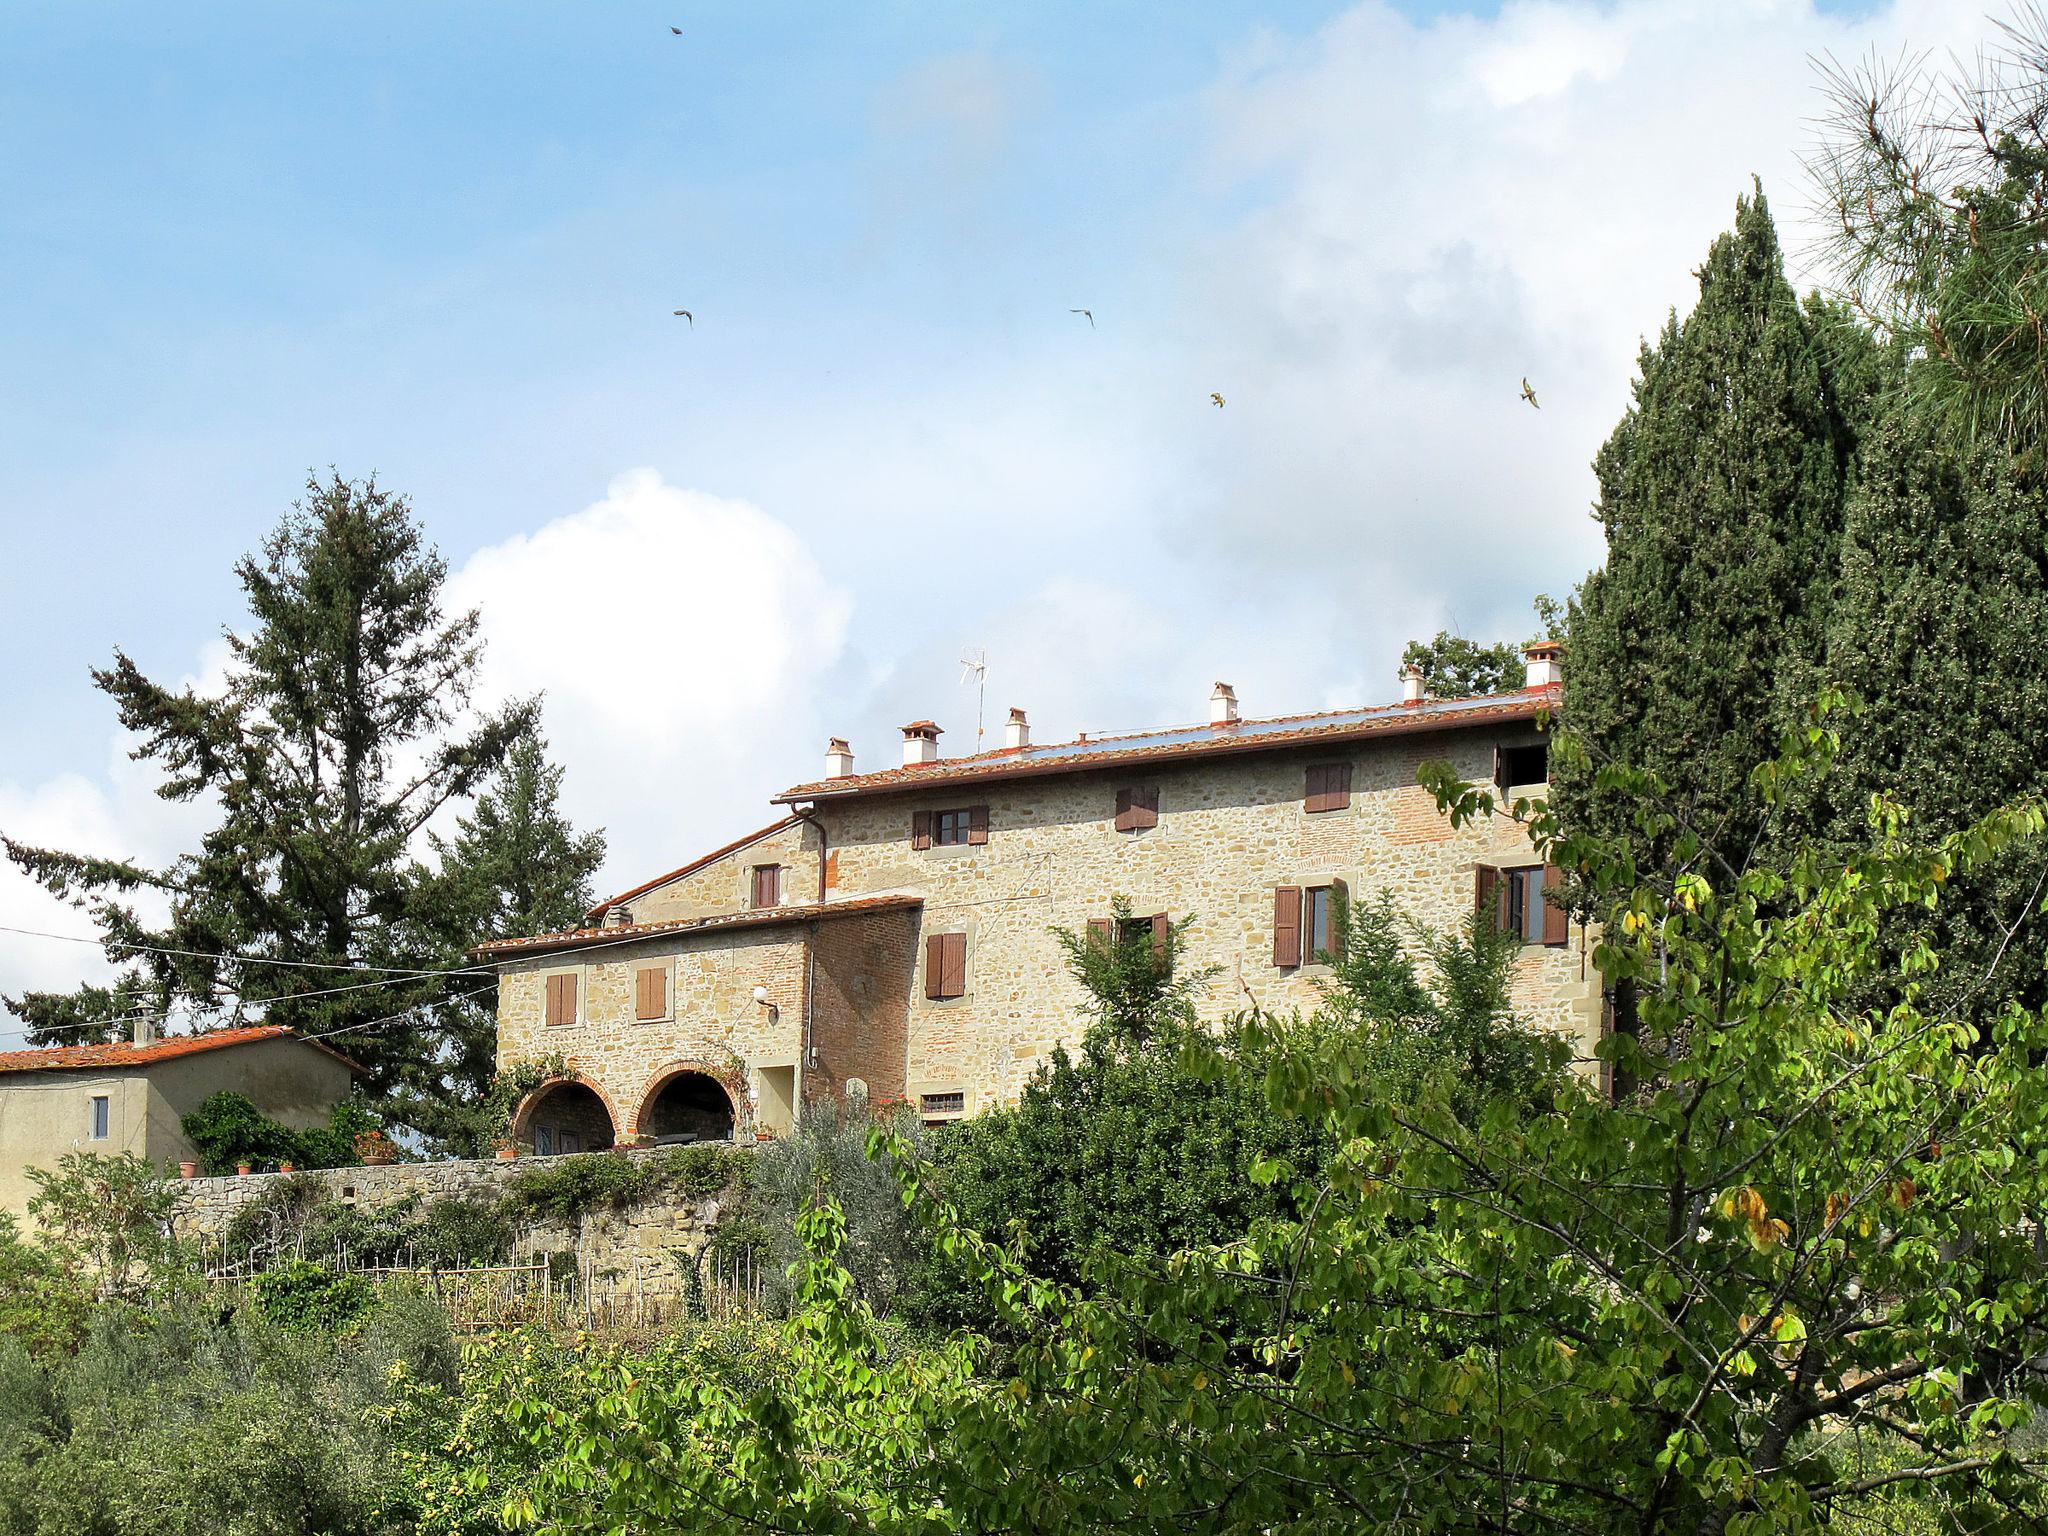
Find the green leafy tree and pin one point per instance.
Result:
(1133, 984)
(107, 1218)
(1456, 668)
(342, 729)
(1693, 648)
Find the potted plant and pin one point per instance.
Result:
(242, 1167)
(285, 1166)
(763, 1135)
(504, 1148)
(188, 1169)
(375, 1150)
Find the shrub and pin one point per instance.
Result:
(827, 1158)
(569, 1187)
(228, 1129)
(305, 1295)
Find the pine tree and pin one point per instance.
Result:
(1700, 640)
(343, 728)
(515, 866)
(1937, 635)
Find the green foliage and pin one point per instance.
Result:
(1455, 1035)
(173, 1422)
(827, 1158)
(44, 1304)
(1131, 979)
(105, 1218)
(1697, 644)
(306, 1295)
(228, 1130)
(1456, 668)
(342, 729)
(568, 1187)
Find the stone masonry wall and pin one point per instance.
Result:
(1230, 830)
(726, 885)
(645, 1243)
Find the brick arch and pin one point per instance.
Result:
(522, 1117)
(726, 1080)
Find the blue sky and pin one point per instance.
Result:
(443, 242)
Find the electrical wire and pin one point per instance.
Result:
(203, 954)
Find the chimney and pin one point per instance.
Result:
(1411, 684)
(1018, 732)
(145, 1030)
(838, 759)
(1544, 660)
(1223, 705)
(920, 743)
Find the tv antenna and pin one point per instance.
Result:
(974, 665)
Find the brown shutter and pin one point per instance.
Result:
(977, 824)
(1144, 808)
(1312, 788)
(1287, 925)
(920, 829)
(1485, 893)
(562, 999)
(1160, 930)
(1102, 930)
(935, 965)
(1557, 923)
(956, 964)
(1500, 770)
(650, 1000)
(1328, 787)
(1123, 810)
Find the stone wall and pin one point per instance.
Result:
(648, 1243)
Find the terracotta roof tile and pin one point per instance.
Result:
(595, 938)
(1086, 753)
(126, 1054)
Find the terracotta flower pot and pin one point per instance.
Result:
(505, 1154)
(188, 1170)
(285, 1167)
(242, 1170)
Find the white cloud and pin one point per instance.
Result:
(680, 640)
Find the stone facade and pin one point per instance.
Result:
(845, 981)
(645, 1243)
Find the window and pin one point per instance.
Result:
(1319, 922)
(1520, 901)
(767, 885)
(102, 1116)
(1328, 788)
(954, 1103)
(650, 992)
(965, 824)
(1520, 765)
(1103, 931)
(1137, 809)
(945, 965)
(544, 1141)
(562, 998)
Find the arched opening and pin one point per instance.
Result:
(688, 1106)
(564, 1117)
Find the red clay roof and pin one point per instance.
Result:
(1324, 728)
(126, 1054)
(597, 938)
(692, 867)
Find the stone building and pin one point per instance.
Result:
(897, 926)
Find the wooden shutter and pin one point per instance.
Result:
(1287, 925)
(935, 965)
(1500, 770)
(764, 885)
(1557, 923)
(977, 824)
(1486, 894)
(1102, 930)
(1328, 787)
(1160, 930)
(1123, 810)
(1144, 808)
(920, 829)
(650, 992)
(956, 964)
(562, 999)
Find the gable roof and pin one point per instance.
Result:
(770, 917)
(125, 1055)
(1331, 728)
(692, 867)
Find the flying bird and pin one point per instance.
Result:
(1088, 312)
(689, 317)
(1529, 395)
(1215, 399)
(677, 30)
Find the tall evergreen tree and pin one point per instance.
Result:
(343, 728)
(1938, 634)
(1721, 493)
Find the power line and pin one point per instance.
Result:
(132, 1019)
(204, 954)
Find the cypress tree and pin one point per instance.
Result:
(1938, 634)
(342, 730)
(1721, 491)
